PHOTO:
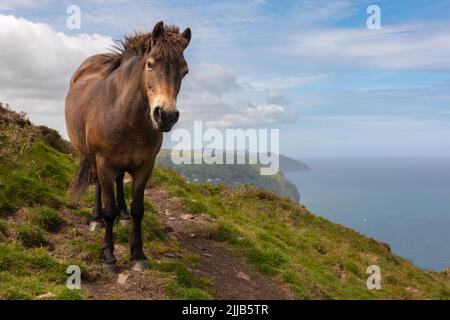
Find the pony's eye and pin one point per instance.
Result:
(149, 66)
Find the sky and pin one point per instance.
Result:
(312, 69)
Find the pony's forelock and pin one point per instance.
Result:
(169, 46)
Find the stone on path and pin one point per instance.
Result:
(47, 295)
(122, 279)
(243, 276)
(187, 216)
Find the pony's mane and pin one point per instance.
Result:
(170, 46)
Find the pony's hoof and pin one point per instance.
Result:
(139, 265)
(95, 225)
(124, 222)
(109, 267)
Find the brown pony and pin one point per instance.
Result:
(117, 108)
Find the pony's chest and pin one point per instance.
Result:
(134, 154)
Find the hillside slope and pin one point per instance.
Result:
(203, 241)
(234, 175)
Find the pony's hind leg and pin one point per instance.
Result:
(97, 217)
(107, 179)
(124, 218)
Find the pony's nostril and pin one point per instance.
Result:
(169, 116)
(157, 113)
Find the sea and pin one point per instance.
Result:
(403, 202)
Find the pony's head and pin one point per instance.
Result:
(164, 69)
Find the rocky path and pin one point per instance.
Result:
(227, 271)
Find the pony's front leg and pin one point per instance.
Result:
(107, 178)
(138, 258)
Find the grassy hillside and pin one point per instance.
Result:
(41, 234)
(238, 174)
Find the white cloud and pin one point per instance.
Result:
(275, 97)
(226, 112)
(262, 82)
(391, 47)
(251, 115)
(37, 62)
(211, 78)
(215, 95)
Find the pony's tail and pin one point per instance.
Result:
(82, 179)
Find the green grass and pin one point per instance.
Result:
(151, 228)
(34, 177)
(3, 227)
(40, 176)
(314, 257)
(47, 218)
(30, 236)
(27, 273)
(122, 233)
(185, 286)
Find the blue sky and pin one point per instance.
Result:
(311, 68)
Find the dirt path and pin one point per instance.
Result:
(227, 271)
(101, 285)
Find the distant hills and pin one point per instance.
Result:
(237, 174)
(292, 165)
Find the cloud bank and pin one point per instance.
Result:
(36, 64)
(399, 47)
(215, 95)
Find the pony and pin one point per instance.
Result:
(117, 107)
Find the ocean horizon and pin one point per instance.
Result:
(403, 202)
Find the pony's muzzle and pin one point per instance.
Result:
(165, 119)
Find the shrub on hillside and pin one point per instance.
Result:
(48, 218)
(30, 236)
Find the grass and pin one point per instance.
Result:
(185, 286)
(41, 177)
(3, 227)
(122, 233)
(27, 273)
(30, 236)
(48, 218)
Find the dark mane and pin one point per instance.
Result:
(169, 46)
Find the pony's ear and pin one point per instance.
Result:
(187, 35)
(158, 30)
